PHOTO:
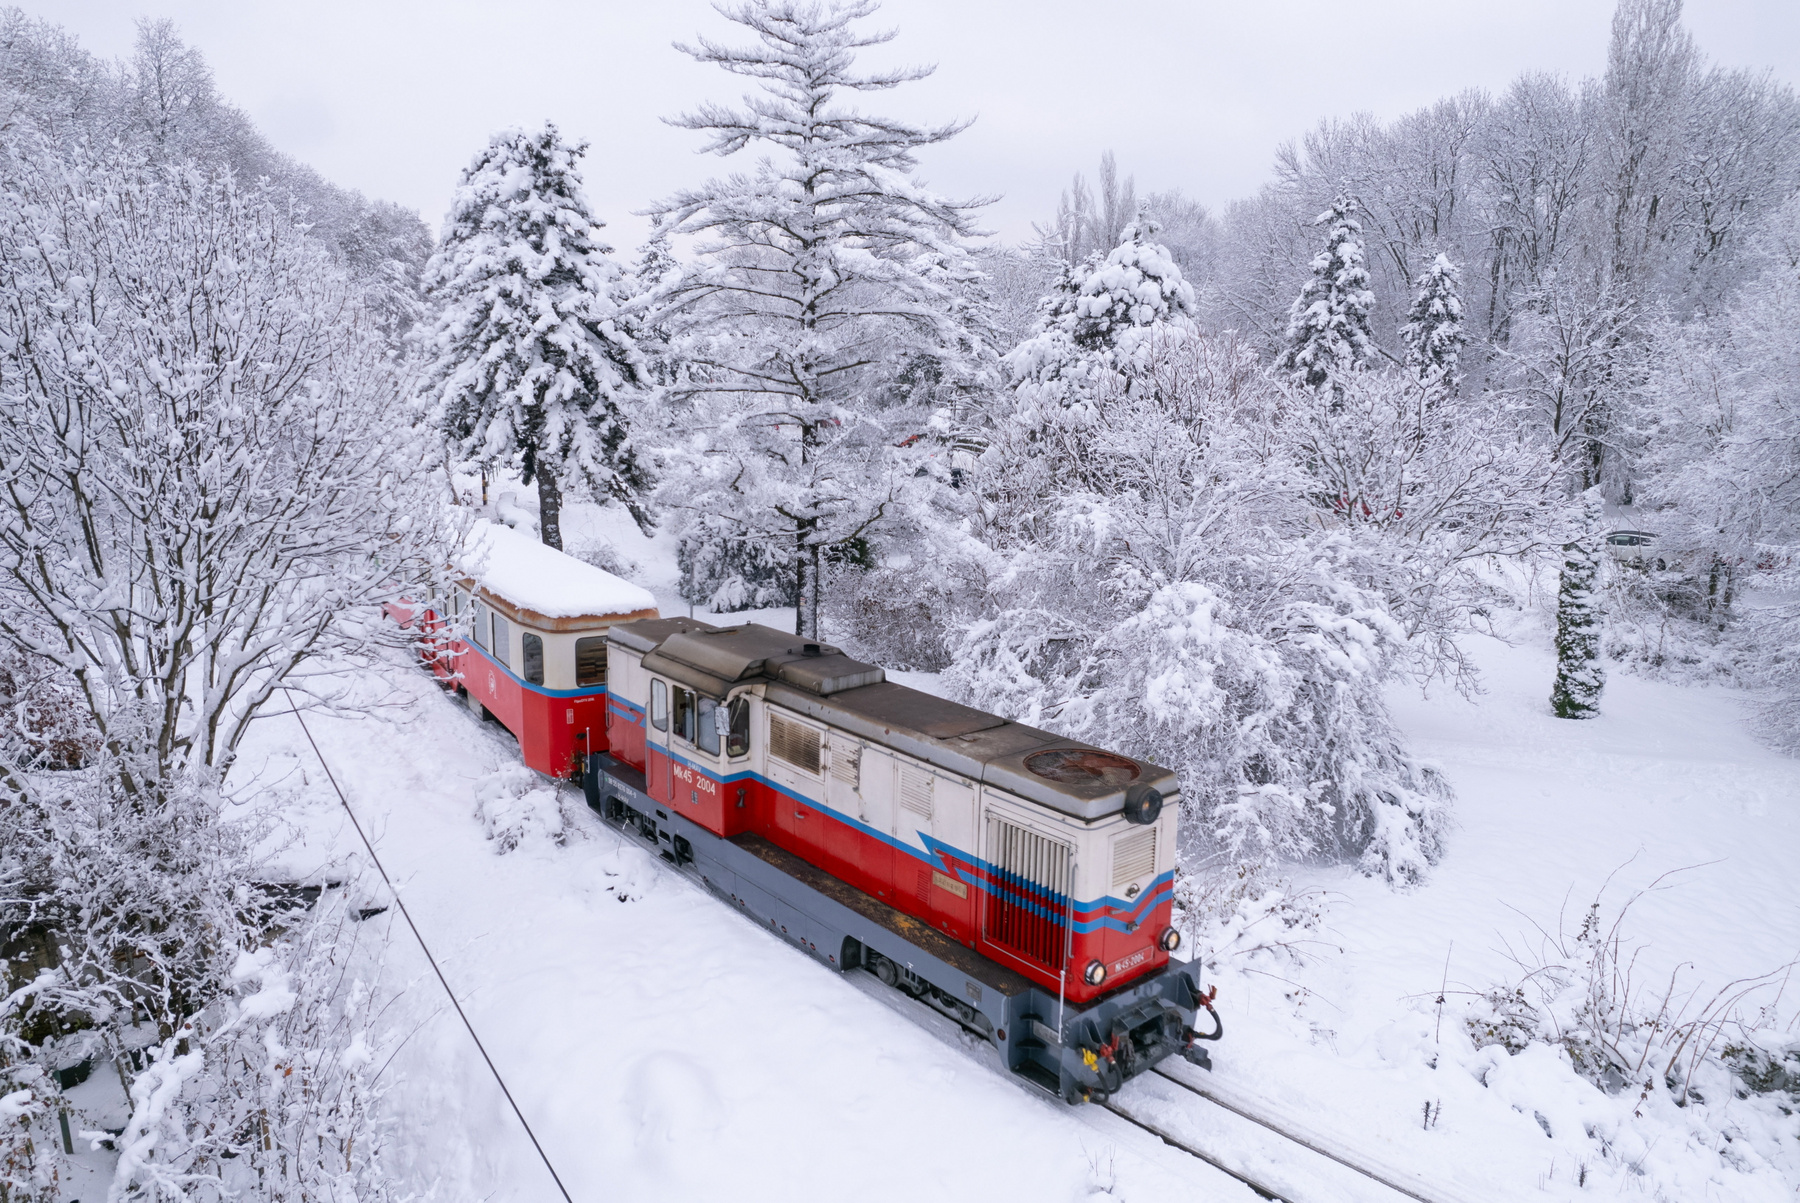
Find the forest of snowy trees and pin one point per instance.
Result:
(1199, 486)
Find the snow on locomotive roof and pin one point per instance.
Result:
(518, 568)
(822, 683)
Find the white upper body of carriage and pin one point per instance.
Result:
(541, 612)
(865, 760)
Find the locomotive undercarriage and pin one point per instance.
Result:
(1075, 1053)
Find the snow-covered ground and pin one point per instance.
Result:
(665, 1049)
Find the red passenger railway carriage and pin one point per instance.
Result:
(523, 637)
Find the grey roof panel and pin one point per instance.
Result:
(831, 688)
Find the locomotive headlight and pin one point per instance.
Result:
(1094, 974)
(1171, 940)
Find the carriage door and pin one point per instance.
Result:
(656, 744)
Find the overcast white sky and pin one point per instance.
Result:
(393, 96)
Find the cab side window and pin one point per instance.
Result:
(659, 705)
(708, 738)
(686, 716)
(590, 660)
(533, 648)
(737, 740)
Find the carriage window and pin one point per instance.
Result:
(659, 705)
(478, 625)
(456, 603)
(737, 741)
(502, 648)
(708, 740)
(685, 716)
(590, 660)
(533, 646)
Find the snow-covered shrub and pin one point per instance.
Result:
(1177, 599)
(517, 806)
(726, 572)
(31, 1161)
(604, 555)
(271, 1091)
(1235, 911)
(1580, 993)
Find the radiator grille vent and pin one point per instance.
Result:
(1029, 908)
(915, 790)
(1134, 857)
(796, 743)
(846, 763)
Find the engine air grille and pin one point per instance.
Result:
(1134, 857)
(915, 790)
(1028, 911)
(796, 743)
(846, 763)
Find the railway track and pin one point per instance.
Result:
(1392, 1182)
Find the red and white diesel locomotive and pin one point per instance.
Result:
(1014, 880)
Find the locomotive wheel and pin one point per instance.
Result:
(884, 969)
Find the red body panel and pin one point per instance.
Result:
(555, 728)
(902, 876)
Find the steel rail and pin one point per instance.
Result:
(1309, 1143)
(1262, 1189)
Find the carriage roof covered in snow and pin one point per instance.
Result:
(545, 587)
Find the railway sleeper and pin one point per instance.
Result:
(1078, 1054)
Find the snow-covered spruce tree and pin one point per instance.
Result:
(1433, 332)
(1090, 328)
(1328, 323)
(821, 276)
(530, 360)
(1579, 675)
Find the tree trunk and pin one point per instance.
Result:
(812, 600)
(800, 582)
(549, 507)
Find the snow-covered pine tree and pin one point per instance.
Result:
(1328, 323)
(530, 361)
(822, 274)
(1433, 331)
(1579, 675)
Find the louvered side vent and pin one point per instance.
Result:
(796, 743)
(846, 763)
(1028, 910)
(915, 790)
(1134, 857)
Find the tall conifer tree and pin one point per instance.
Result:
(530, 357)
(1579, 675)
(1433, 332)
(1328, 323)
(822, 275)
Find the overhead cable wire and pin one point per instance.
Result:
(426, 948)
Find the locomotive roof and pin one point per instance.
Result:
(517, 568)
(830, 687)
